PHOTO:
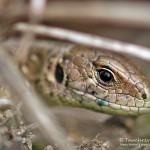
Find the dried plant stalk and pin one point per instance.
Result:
(35, 110)
(87, 40)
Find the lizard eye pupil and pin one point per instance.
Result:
(59, 74)
(104, 75)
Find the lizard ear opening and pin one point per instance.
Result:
(144, 96)
(59, 73)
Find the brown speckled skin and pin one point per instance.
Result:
(127, 94)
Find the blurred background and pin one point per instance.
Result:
(64, 127)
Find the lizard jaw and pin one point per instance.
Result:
(113, 108)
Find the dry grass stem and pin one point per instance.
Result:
(87, 40)
(37, 111)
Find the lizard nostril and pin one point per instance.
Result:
(144, 96)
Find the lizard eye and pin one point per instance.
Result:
(104, 76)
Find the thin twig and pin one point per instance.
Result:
(87, 40)
(35, 110)
(37, 5)
(27, 39)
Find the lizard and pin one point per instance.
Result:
(95, 79)
(89, 78)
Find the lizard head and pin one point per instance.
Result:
(108, 80)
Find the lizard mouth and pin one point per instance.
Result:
(110, 107)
